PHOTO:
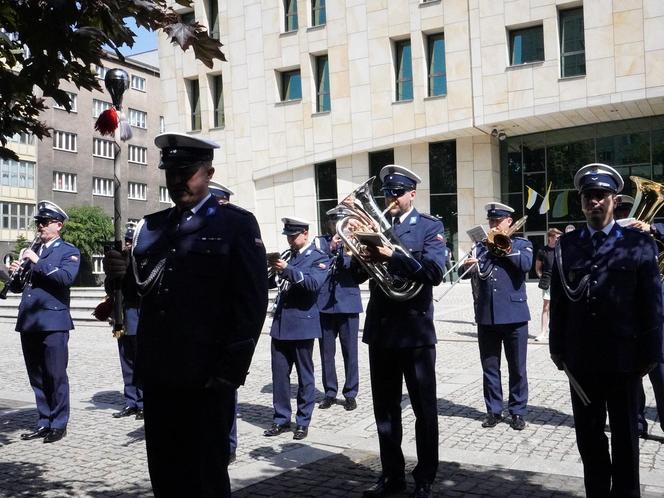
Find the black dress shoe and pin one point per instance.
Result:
(300, 432)
(139, 414)
(36, 434)
(517, 423)
(55, 435)
(276, 429)
(125, 412)
(350, 404)
(386, 486)
(327, 402)
(492, 420)
(422, 490)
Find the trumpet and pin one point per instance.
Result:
(282, 283)
(20, 276)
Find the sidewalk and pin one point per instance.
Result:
(105, 457)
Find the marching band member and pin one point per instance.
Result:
(44, 321)
(340, 307)
(605, 331)
(502, 315)
(295, 325)
(402, 338)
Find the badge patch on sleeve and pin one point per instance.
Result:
(73, 258)
(440, 237)
(322, 266)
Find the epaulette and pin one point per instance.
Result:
(516, 237)
(70, 244)
(235, 207)
(430, 217)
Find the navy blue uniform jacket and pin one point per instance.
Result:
(408, 324)
(340, 292)
(204, 312)
(616, 326)
(500, 298)
(297, 316)
(45, 301)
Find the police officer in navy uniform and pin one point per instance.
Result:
(606, 330)
(502, 315)
(656, 375)
(44, 320)
(295, 325)
(201, 272)
(402, 338)
(340, 307)
(223, 195)
(133, 394)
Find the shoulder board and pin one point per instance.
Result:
(70, 244)
(430, 217)
(235, 207)
(520, 238)
(159, 214)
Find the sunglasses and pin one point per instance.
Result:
(44, 221)
(394, 192)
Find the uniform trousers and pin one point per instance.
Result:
(132, 393)
(657, 380)
(285, 354)
(46, 355)
(188, 455)
(233, 434)
(345, 326)
(515, 338)
(617, 474)
(389, 367)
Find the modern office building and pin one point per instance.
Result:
(485, 99)
(74, 167)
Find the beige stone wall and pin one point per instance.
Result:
(269, 147)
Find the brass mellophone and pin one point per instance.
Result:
(19, 277)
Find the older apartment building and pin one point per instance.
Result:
(74, 167)
(485, 99)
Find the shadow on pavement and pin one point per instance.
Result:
(350, 473)
(102, 399)
(28, 479)
(14, 422)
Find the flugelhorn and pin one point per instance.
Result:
(499, 242)
(20, 276)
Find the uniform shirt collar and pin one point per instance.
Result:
(607, 229)
(198, 206)
(50, 242)
(405, 216)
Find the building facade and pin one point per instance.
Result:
(74, 167)
(485, 99)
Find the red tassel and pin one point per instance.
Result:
(107, 122)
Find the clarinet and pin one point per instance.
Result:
(19, 277)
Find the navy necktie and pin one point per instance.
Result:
(396, 220)
(185, 217)
(598, 240)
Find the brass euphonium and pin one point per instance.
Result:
(360, 205)
(647, 202)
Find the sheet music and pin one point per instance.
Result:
(477, 234)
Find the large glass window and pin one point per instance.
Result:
(526, 45)
(16, 216)
(290, 15)
(326, 191)
(377, 160)
(403, 70)
(195, 105)
(322, 84)
(572, 43)
(17, 174)
(436, 64)
(443, 189)
(532, 165)
(291, 85)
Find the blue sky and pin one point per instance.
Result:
(145, 40)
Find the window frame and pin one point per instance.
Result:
(318, 13)
(103, 187)
(290, 14)
(194, 95)
(322, 83)
(218, 108)
(512, 34)
(141, 151)
(403, 84)
(137, 191)
(64, 134)
(73, 100)
(283, 87)
(106, 143)
(431, 75)
(67, 180)
(137, 123)
(142, 87)
(562, 13)
(99, 106)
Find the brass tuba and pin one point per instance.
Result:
(647, 202)
(499, 242)
(360, 205)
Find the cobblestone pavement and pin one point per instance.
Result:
(105, 457)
